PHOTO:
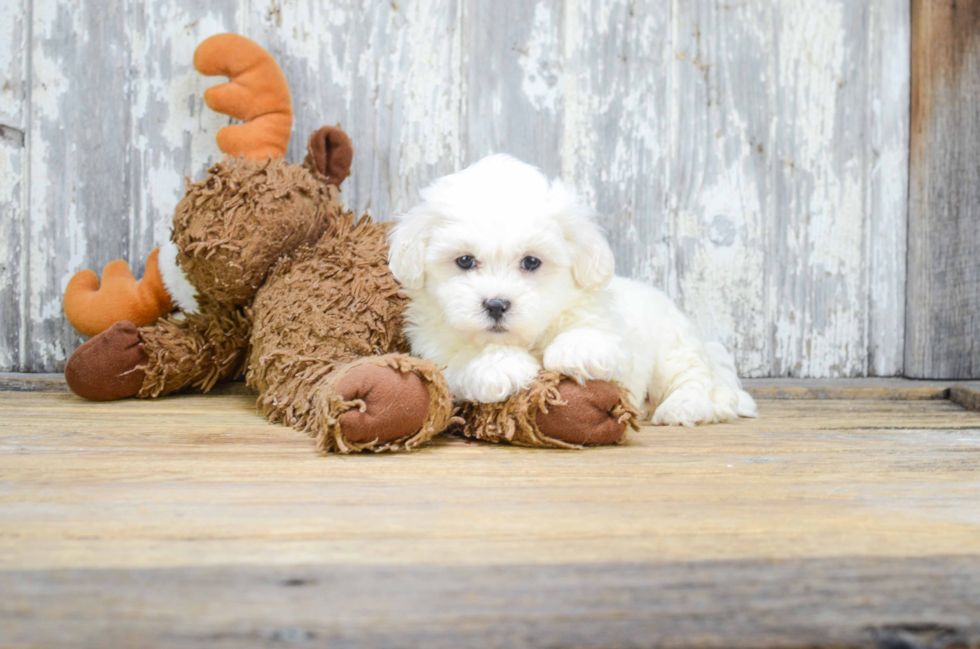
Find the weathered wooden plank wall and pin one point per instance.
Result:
(13, 188)
(944, 211)
(751, 158)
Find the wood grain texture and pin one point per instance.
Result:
(967, 396)
(14, 183)
(889, 54)
(32, 382)
(943, 304)
(616, 148)
(190, 522)
(80, 190)
(204, 480)
(513, 71)
(852, 602)
(891, 389)
(820, 183)
(877, 388)
(746, 157)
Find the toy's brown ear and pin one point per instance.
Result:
(330, 155)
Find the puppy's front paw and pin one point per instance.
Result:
(685, 407)
(584, 355)
(495, 376)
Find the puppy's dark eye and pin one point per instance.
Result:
(530, 263)
(466, 262)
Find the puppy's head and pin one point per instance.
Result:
(500, 251)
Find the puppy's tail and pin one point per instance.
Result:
(730, 400)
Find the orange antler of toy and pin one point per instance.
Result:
(256, 93)
(91, 308)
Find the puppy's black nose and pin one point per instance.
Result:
(496, 308)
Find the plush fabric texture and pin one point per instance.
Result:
(391, 404)
(109, 366)
(243, 216)
(554, 412)
(593, 414)
(256, 93)
(182, 292)
(319, 309)
(194, 350)
(334, 409)
(91, 306)
(298, 293)
(321, 313)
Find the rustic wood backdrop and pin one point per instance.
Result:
(943, 295)
(749, 157)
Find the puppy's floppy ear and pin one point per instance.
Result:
(593, 264)
(406, 246)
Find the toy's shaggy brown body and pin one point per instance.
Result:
(295, 292)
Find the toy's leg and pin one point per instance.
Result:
(173, 354)
(376, 403)
(554, 412)
(327, 348)
(195, 351)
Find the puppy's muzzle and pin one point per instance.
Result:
(496, 308)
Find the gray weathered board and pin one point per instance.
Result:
(943, 314)
(751, 158)
(850, 602)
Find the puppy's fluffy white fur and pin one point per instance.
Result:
(570, 314)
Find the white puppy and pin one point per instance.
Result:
(508, 273)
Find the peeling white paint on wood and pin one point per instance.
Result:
(888, 124)
(13, 180)
(750, 158)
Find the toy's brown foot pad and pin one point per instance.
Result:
(109, 366)
(587, 418)
(396, 404)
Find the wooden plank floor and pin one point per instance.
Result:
(189, 521)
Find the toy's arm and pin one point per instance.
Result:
(177, 352)
(554, 412)
(195, 351)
